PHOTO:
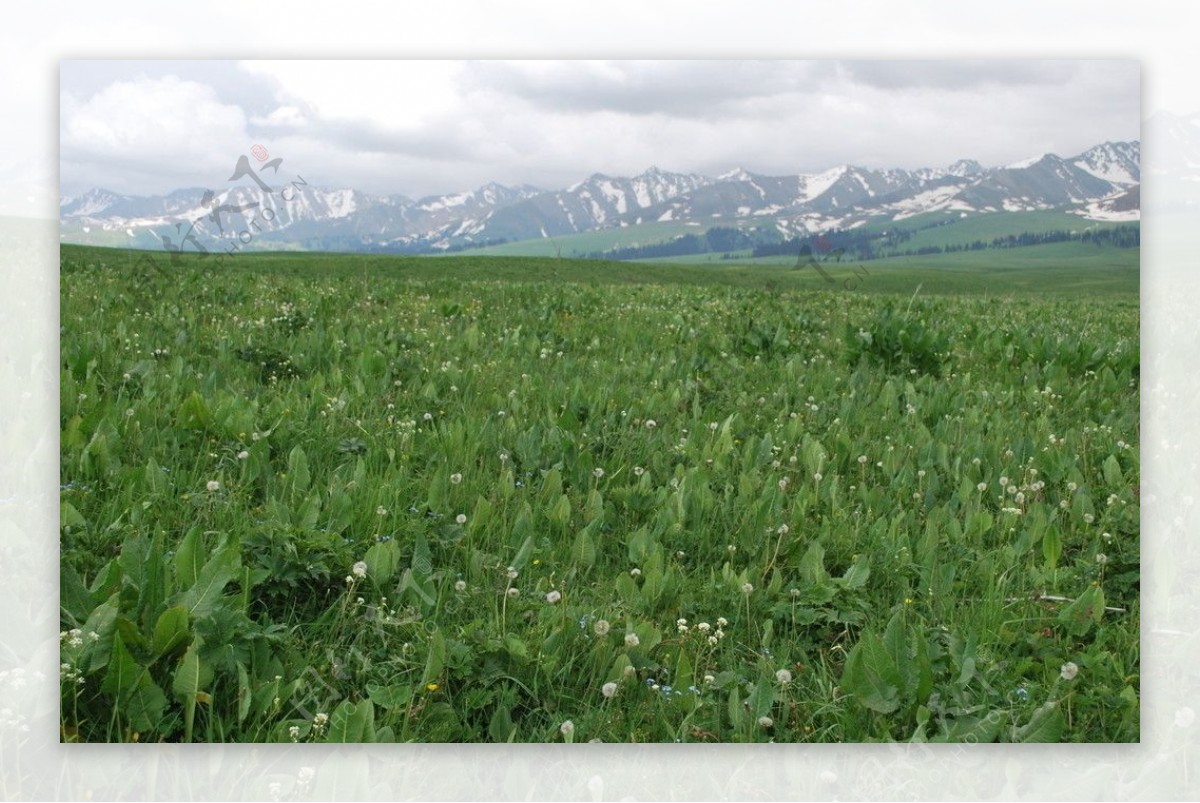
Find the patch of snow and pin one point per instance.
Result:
(814, 186)
(1109, 172)
(668, 215)
(1021, 165)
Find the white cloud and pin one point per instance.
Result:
(164, 127)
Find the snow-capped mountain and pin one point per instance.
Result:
(1101, 183)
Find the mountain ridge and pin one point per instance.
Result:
(1095, 184)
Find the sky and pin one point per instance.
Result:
(428, 127)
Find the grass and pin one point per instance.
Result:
(344, 498)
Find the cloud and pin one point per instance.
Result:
(959, 75)
(165, 127)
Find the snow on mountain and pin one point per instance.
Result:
(1095, 183)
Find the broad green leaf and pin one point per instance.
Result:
(1046, 725)
(348, 723)
(584, 551)
(102, 621)
(123, 672)
(501, 728)
(192, 675)
(143, 705)
(220, 570)
(1083, 613)
(812, 565)
(1112, 473)
(298, 474)
(1052, 546)
(187, 560)
(856, 576)
(382, 561)
(393, 696)
(436, 658)
(170, 631)
(68, 516)
(870, 675)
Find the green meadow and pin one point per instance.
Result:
(342, 497)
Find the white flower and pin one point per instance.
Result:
(638, 471)
(567, 728)
(747, 588)
(460, 585)
(512, 573)
(712, 640)
(553, 597)
(681, 622)
(461, 518)
(320, 719)
(380, 511)
(359, 570)
(766, 722)
(456, 478)
(213, 485)
(632, 640)
(1069, 671)
(709, 679)
(722, 621)
(651, 423)
(598, 473)
(981, 487)
(1101, 558)
(601, 627)
(862, 459)
(703, 627)
(783, 676)
(635, 572)
(294, 732)
(513, 593)
(817, 476)
(783, 529)
(242, 455)
(608, 689)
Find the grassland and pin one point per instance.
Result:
(358, 498)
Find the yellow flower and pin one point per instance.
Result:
(431, 687)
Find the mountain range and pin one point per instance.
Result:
(1102, 183)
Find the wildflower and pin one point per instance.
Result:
(651, 423)
(766, 722)
(359, 569)
(635, 572)
(512, 573)
(460, 585)
(709, 679)
(431, 687)
(632, 640)
(1072, 487)
(381, 511)
(703, 627)
(598, 473)
(1069, 671)
(712, 640)
(628, 671)
(783, 676)
(783, 484)
(722, 621)
(681, 623)
(817, 476)
(567, 728)
(783, 529)
(1088, 518)
(862, 459)
(638, 471)
(747, 588)
(608, 689)
(601, 627)
(981, 487)
(513, 593)
(213, 485)
(461, 518)
(320, 720)
(553, 597)
(456, 478)
(1004, 482)
(1101, 558)
(294, 733)
(242, 455)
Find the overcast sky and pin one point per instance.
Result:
(430, 127)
